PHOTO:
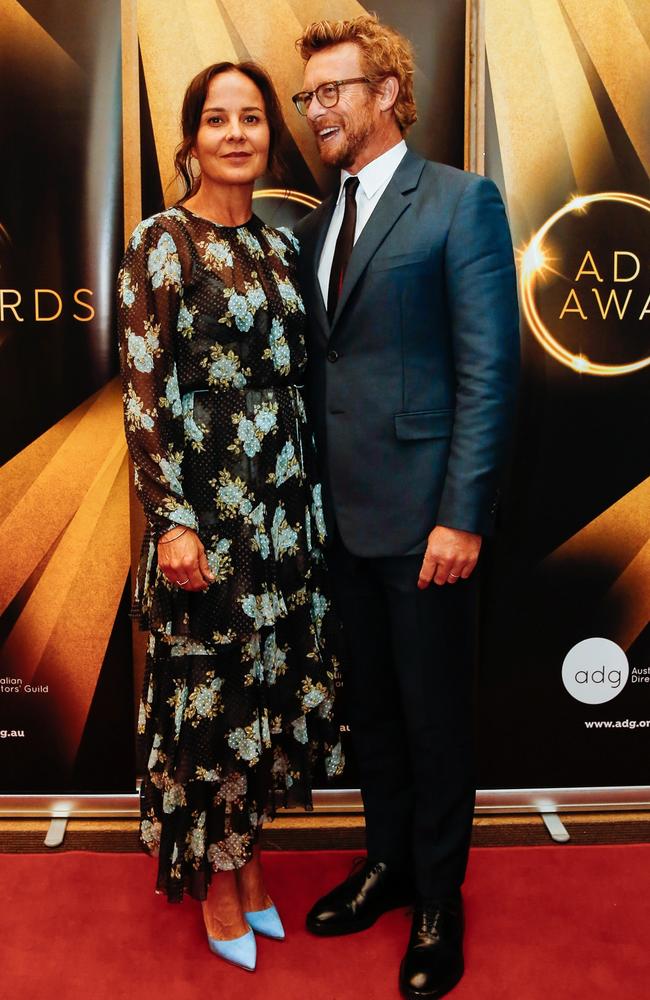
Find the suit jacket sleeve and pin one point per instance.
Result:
(482, 298)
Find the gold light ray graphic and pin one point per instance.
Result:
(618, 538)
(18, 474)
(586, 141)
(614, 537)
(73, 658)
(640, 11)
(537, 161)
(533, 263)
(43, 511)
(132, 168)
(36, 47)
(623, 77)
(337, 10)
(73, 508)
(202, 23)
(26, 643)
(171, 56)
(625, 609)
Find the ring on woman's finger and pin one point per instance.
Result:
(181, 583)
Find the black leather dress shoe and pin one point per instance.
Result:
(359, 901)
(433, 962)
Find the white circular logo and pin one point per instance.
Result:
(595, 671)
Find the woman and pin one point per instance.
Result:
(239, 682)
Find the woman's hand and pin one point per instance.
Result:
(182, 559)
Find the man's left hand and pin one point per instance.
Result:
(451, 555)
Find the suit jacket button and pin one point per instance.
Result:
(332, 356)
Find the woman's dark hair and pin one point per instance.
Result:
(193, 102)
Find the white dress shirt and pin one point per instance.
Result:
(373, 180)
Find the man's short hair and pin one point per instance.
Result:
(384, 52)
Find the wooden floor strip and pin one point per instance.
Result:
(327, 832)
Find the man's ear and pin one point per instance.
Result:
(388, 93)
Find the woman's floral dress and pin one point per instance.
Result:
(237, 706)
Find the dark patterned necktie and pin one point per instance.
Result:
(344, 244)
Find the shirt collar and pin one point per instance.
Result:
(376, 173)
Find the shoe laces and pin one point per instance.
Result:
(429, 919)
(361, 863)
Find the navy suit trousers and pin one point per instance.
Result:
(409, 677)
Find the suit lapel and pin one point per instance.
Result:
(392, 204)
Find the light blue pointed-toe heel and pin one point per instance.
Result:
(266, 922)
(241, 951)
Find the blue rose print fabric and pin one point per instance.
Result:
(238, 702)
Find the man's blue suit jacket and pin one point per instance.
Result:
(411, 390)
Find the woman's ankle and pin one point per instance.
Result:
(250, 884)
(224, 928)
(223, 914)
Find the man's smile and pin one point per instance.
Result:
(327, 132)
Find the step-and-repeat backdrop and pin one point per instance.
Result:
(65, 663)
(563, 682)
(565, 671)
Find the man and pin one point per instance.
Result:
(408, 276)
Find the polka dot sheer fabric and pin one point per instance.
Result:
(237, 710)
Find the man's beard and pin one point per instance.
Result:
(353, 138)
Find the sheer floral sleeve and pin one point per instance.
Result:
(150, 296)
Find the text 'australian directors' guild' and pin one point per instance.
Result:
(14, 685)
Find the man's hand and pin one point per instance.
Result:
(451, 555)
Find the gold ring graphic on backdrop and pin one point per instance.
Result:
(533, 261)
(303, 199)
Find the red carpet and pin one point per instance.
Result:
(544, 923)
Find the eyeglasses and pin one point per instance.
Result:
(327, 94)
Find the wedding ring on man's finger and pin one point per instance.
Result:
(455, 576)
(181, 583)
